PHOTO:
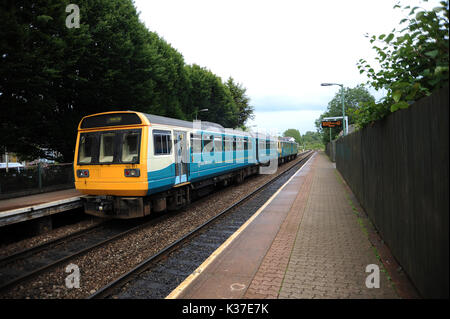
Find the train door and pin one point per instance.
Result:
(257, 149)
(181, 157)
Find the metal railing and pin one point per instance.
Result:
(39, 178)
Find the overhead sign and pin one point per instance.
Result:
(331, 123)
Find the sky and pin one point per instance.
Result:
(280, 51)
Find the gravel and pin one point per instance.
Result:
(104, 264)
(60, 232)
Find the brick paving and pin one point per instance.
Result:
(308, 243)
(268, 279)
(331, 250)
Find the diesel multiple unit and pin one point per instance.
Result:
(131, 164)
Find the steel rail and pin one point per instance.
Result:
(147, 263)
(40, 247)
(39, 270)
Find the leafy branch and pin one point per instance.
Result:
(414, 61)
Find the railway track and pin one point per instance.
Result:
(28, 263)
(159, 274)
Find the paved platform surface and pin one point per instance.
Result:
(32, 200)
(20, 209)
(306, 243)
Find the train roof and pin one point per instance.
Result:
(201, 125)
(101, 120)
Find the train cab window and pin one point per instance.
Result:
(87, 142)
(162, 141)
(218, 143)
(130, 147)
(107, 147)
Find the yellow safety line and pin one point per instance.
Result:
(178, 290)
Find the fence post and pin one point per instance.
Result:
(39, 176)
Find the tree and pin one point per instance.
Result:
(312, 140)
(354, 99)
(414, 62)
(241, 100)
(292, 132)
(208, 92)
(51, 75)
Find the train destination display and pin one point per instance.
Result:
(332, 123)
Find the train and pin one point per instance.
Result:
(129, 164)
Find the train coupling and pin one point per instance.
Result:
(116, 206)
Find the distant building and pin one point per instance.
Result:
(287, 138)
(11, 165)
(11, 158)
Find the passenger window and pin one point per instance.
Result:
(196, 143)
(107, 147)
(228, 144)
(162, 141)
(208, 145)
(86, 151)
(240, 144)
(218, 143)
(130, 151)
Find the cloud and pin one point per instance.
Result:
(282, 104)
(281, 51)
(303, 120)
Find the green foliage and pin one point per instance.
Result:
(309, 140)
(292, 132)
(51, 76)
(241, 100)
(414, 61)
(207, 91)
(356, 101)
(312, 140)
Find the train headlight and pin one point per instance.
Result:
(82, 172)
(132, 172)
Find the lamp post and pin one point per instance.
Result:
(343, 109)
(196, 112)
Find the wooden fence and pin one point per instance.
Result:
(398, 170)
(330, 150)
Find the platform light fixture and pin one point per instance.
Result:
(343, 108)
(202, 110)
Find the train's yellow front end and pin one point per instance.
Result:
(110, 164)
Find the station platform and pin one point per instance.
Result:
(306, 241)
(20, 209)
